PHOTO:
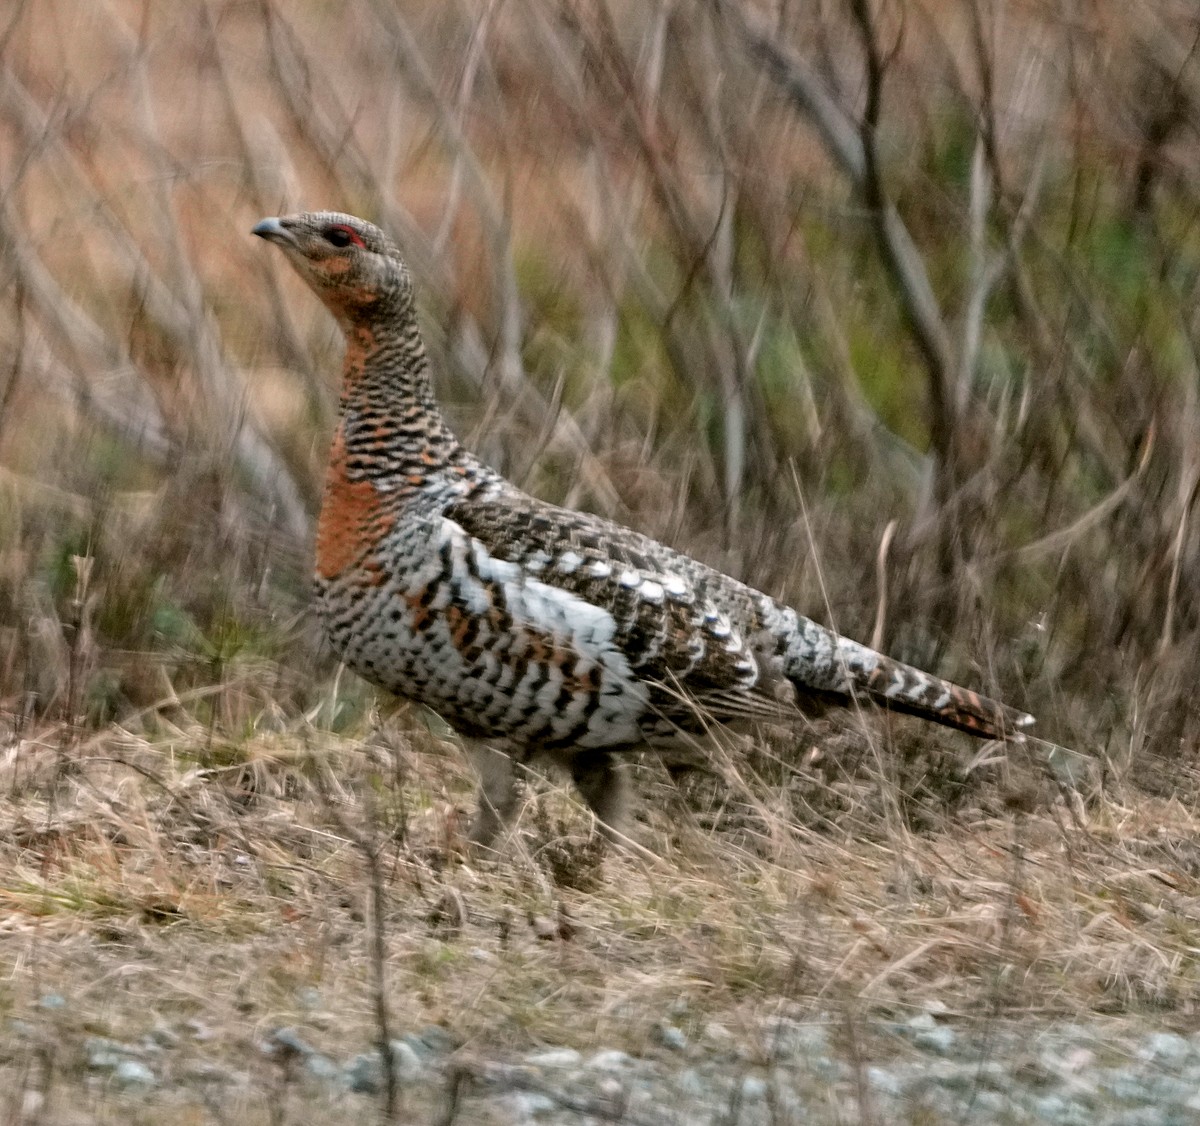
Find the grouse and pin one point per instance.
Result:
(535, 630)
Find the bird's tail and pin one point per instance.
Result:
(905, 689)
(838, 665)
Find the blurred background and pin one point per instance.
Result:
(888, 308)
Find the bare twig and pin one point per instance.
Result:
(368, 842)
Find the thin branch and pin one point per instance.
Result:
(901, 257)
(854, 149)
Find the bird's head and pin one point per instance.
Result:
(351, 265)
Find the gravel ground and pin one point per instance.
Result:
(929, 1069)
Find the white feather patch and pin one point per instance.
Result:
(674, 585)
(568, 562)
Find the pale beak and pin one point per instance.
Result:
(273, 230)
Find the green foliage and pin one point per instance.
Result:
(890, 380)
(554, 311)
(640, 352)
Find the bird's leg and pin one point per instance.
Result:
(602, 779)
(497, 793)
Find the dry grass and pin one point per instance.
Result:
(661, 282)
(166, 886)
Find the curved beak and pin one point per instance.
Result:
(273, 231)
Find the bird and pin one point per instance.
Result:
(535, 631)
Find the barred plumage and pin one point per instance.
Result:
(523, 624)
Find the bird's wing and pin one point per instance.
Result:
(672, 633)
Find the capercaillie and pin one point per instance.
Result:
(533, 629)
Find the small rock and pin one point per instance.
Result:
(940, 1040)
(1164, 1048)
(883, 1081)
(787, 1106)
(103, 1054)
(990, 1104)
(1125, 1086)
(1167, 1090)
(406, 1061)
(438, 1039)
(160, 1036)
(364, 1074)
(199, 1030)
(610, 1087)
(321, 1067)
(555, 1057)
(1054, 1108)
(51, 1001)
(716, 1035)
(992, 1074)
(787, 1038)
(1070, 1060)
(287, 1041)
(526, 1106)
(927, 1034)
(610, 1059)
(131, 1073)
(308, 997)
(670, 1037)
(753, 1088)
(692, 1083)
(922, 1022)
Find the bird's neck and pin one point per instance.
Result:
(391, 429)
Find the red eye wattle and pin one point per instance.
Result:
(342, 235)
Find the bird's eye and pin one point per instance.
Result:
(340, 235)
